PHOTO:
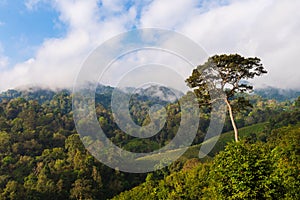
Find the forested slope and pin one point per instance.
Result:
(42, 157)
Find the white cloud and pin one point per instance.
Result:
(113, 5)
(32, 4)
(58, 60)
(3, 62)
(268, 29)
(167, 13)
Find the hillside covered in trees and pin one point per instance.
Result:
(42, 157)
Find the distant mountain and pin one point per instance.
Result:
(155, 94)
(155, 91)
(277, 93)
(39, 94)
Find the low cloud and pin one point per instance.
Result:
(3, 62)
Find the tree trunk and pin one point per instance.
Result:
(232, 121)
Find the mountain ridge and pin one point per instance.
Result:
(160, 93)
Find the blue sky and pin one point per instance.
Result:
(24, 27)
(23, 30)
(45, 42)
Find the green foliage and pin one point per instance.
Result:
(188, 184)
(42, 157)
(285, 143)
(243, 170)
(297, 103)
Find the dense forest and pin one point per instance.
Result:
(250, 169)
(42, 156)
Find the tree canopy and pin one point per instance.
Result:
(233, 70)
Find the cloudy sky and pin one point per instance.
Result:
(45, 42)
